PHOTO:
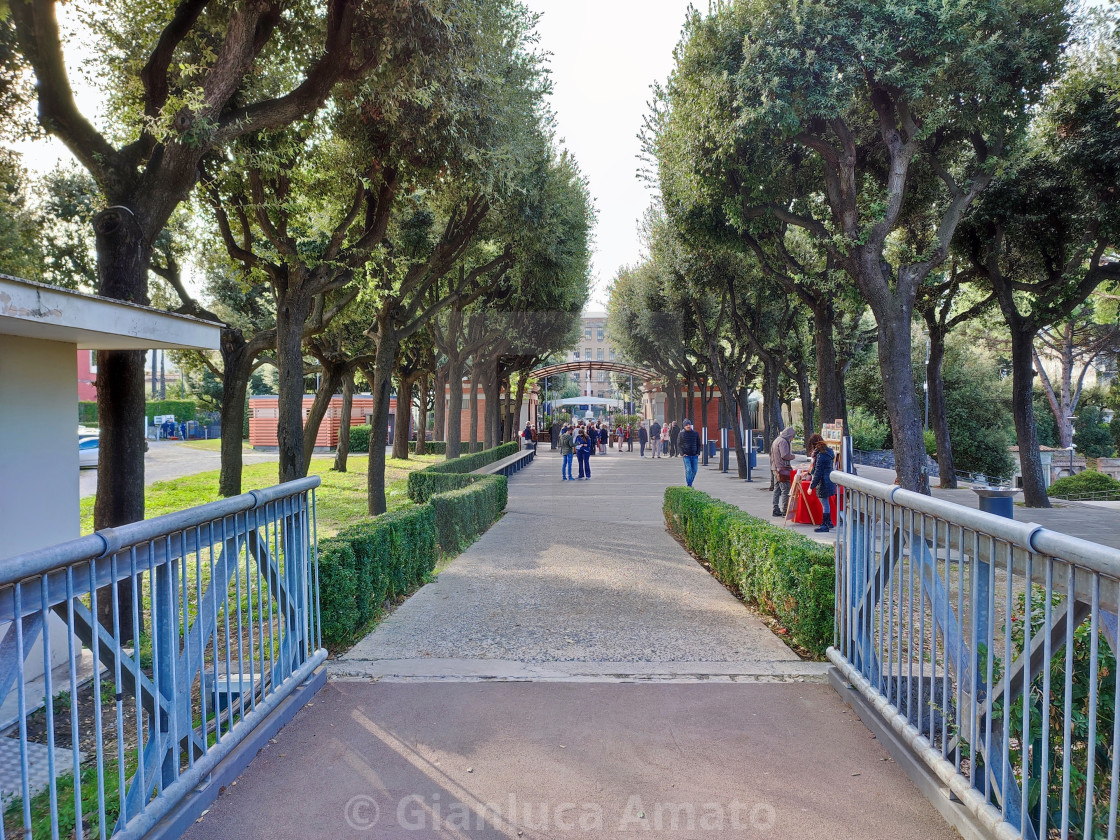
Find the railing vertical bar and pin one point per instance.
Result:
(1114, 786)
(254, 677)
(250, 561)
(898, 526)
(118, 684)
(271, 601)
(974, 661)
(1047, 654)
(946, 619)
(157, 715)
(1025, 746)
(990, 641)
(185, 695)
(214, 642)
(172, 759)
(240, 627)
(203, 724)
(962, 666)
(98, 735)
(75, 742)
(48, 702)
(226, 539)
(1008, 661)
(1067, 726)
(137, 600)
(315, 544)
(21, 702)
(910, 622)
(922, 629)
(1091, 740)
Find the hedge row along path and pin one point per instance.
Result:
(577, 671)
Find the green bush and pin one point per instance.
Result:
(182, 409)
(421, 485)
(867, 432)
(427, 484)
(1089, 481)
(386, 557)
(784, 573)
(461, 515)
(359, 438)
(87, 413)
(359, 442)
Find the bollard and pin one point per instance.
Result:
(750, 452)
(723, 447)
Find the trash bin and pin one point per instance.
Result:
(712, 449)
(753, 458)
(997, 500)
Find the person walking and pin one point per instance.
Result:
(655, 439)
(604, 437)
(583, 454)
(674, 437)
(643, 439)
(664, 450)
(821, 482)
(567, 451)
(554, 432)
(688, 445)
(629, 431)
(781, 465)
(527, 434)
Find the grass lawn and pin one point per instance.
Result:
(212, 445)
(340, 500)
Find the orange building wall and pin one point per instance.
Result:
(264, 413)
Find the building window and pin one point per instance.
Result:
(466, 404)
(587, 350)
(599, 354)
(612, 354)
(599, 334)
(602, 376)
(575, 353)
(587, 333)
(93, 361)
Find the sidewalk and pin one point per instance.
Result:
(575, 672)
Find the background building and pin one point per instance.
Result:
(595, 345)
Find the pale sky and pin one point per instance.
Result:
(605, 56)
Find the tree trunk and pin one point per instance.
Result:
(237, 367)
(380, 378)
(772, 411)
(292, 312)
(454, 421)
(439, 402)
(902, 403)
(329, 384)
(343, 450)
(492, 391)
(404, 416)
(805, 390)
(422, 412)
(829, 386)
(123, 255)
(1022, 405)
(476, 373)
(938, 412)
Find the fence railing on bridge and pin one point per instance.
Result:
(223, 626)
(989, 647)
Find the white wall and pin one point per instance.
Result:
(38, 444)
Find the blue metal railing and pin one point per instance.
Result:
(223, 625)
(989, 646)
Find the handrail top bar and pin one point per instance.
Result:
(1029, 536)
(111, 540)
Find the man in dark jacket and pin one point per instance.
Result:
(655, 438)
(643, 439)
(554, 434)
(688, 444)
(674, 438)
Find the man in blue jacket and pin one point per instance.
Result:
(688, 444)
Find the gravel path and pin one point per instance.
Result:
(578, 580)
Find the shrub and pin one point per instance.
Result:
(461, 515)
(784, 573)
(381, 558)
(183, 410)
(867, 432)
(359, 442)
(421, 485)
(1088, 481)
(87, 413)
(427, 484)
(359, 438)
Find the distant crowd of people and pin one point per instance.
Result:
(578, 442)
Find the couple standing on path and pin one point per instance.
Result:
(821, 460)
(579, 443)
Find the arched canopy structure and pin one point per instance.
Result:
(579, 367)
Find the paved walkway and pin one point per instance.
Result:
(575, 672)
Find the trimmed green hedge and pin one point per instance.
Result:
(782, 572)
(1083, 483)
(427, 484)
(393, 554)
(461, 515)
(183, 410)
(422, 484)
(359, 442)
(87, 412)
